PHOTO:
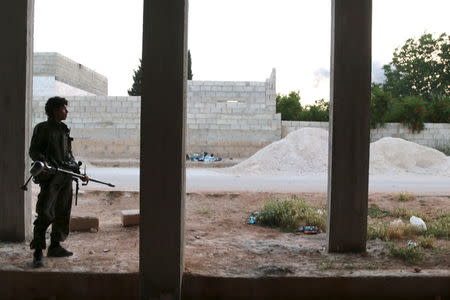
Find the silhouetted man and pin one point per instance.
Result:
(51, 144)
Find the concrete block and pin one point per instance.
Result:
(83, 223)
(130, 217)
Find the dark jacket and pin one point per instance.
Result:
(51, 143)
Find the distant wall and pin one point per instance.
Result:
(230, 119)
(48, 86)
(67, 72)
(434, 135)
(103, 127)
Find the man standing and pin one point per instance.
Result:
(51, 143)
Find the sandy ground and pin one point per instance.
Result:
(220, 242)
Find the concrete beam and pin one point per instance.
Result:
(349, 125)
(162, 180)
(16, 53)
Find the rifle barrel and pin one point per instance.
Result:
(81, 176)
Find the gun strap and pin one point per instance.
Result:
(76, 191)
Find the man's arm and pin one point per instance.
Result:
(38, 144)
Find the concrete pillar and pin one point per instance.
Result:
(16, 53)
(349, 125)
(162, 177)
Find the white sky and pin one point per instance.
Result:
(230, 39)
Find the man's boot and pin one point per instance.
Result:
(37, 258)
(56, 250)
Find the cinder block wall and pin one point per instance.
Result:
(69, 72)
(434, 135)
(229, 119)
(232, 119)
(102, 126)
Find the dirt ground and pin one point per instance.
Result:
(219, 241)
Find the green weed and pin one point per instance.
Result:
(404, 197)
(439, 227)
(409, 254)
(289, 213)
(375, 211)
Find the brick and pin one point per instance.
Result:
(130, 217)
(83, 223)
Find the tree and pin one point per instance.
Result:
(420, 68)
(319, 111)
(289, 106)
(137, 81)
(136, 88)
(380, 104)
(189, 74)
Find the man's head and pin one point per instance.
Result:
(56, 108)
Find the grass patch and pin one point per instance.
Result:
(203, 212)
(289, 213)
(375, 211)
(349, 266)
(439, 227)
(326, 264)
(404, 197)
(371, 267)
(387, 231)
(401, 232)
(426, 242)
(409, 254)
(376, 229)
(401, 212)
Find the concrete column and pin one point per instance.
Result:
(349, 125)
(162, 177)
(16, 53)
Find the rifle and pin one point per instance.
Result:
(38, 167)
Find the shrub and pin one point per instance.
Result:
(438, 110)
(380, 104)
(413, 113)
(289, 106)
(289, 213)
(319, 112)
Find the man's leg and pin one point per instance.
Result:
(61, 222)
(45, 214)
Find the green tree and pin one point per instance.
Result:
(189, 74)
(137, 81)
(319, 111)
(380, 104)
(136, 88)
(289, 106)
(420, 68)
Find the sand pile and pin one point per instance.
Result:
(397, 156)
(302, 151)
(305, 151)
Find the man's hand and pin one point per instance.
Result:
(85, 178)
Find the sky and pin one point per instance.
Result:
(232, 40)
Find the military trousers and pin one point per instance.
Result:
(53, 207)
